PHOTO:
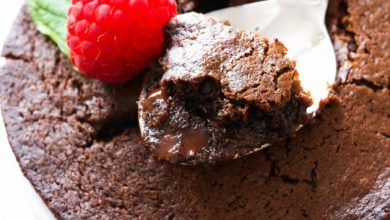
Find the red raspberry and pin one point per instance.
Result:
(113, 40)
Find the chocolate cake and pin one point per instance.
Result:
(224, 94)
(338, 168)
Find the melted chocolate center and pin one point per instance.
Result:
(166, 146)
(193, 140)
(157, 95)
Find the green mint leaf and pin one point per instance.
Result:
(50, 18)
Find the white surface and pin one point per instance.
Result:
(8, 12)
(17, 197)
(300, 25)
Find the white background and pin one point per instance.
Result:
(15, 196)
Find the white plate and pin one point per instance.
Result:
(18, 199)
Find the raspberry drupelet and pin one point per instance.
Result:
(114, 40)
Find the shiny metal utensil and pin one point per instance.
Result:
(300, 25)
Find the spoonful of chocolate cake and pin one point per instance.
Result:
(300, 25)
(224, 91)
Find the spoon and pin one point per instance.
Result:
(300, 25)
